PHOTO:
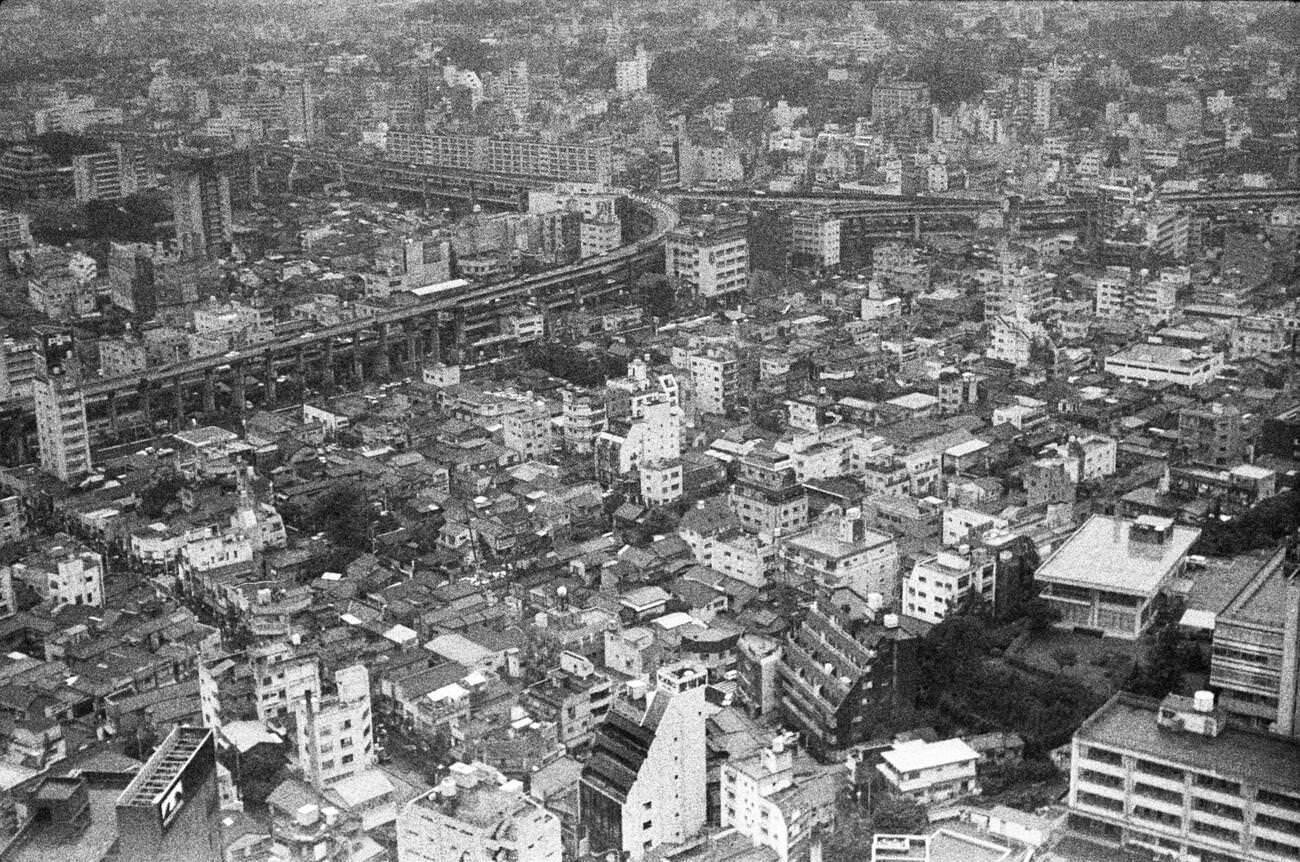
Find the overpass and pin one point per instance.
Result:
(167, 396)
(860, 213)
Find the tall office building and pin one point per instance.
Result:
(477, 815)
(709, 258)
(1255, 660)
(109, 175)
(815, 239)
(168, 811)
(644, 783)
(299, 112)
(201, 203)
(335, 733)
(61, 431)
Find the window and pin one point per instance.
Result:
(1217, 808)
(1219, 784)
(1218, 833)
(1160, 770)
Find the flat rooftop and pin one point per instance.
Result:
(1160, 354)
(918, 754)
(1261, 600)
(52, 844)
(1104, 554)
(1128, 722)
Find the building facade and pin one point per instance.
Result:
(644, 785)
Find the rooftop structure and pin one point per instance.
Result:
(1106, 576)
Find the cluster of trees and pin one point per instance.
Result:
(1136, 38)
(969, 690)
(579, 369)
(1172, 655)
(858, 818)
(344, 515)
(160, 493)
(1263, 526)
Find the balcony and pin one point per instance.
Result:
(1116, 793)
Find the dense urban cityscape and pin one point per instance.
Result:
(617, 431)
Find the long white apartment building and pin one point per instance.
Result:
(1164, 363)
(1175, 777)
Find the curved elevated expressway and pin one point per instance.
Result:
(168, 395)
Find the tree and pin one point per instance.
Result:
(898, 814)
(160, 493)
(660, 297)
(344, 516)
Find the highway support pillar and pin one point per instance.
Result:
(209, 392)
(237, 389)
(358, 361)
(381, 365)
(327, 373)
(178, 402)
(413, 357)
(268, 371)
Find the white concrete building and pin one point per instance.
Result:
(815, 238)
(1106, 576)
(851, 556)
(644, 785)
(61, 432)
(654, 437)
(714, 379)
(528, 431)
(1012, 339)
(65, 573)
(630, 74)
(281, 679)
(660, 481)
(936, 584)
(709, 258)
(765, 799)
(931, 772)
(1158, 363)
(477, 815)
(596, 237)
(335, 733)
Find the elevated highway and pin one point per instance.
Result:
(405, 336)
